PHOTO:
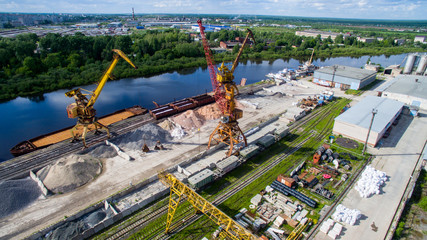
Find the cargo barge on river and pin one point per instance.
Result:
(157, 113)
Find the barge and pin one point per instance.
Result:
(166, 110)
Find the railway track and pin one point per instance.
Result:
(20, 166)
(158, 233)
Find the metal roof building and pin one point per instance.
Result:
(343, 77)
(407, 89)
(354, 123)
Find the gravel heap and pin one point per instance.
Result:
(100, 151)
(17, 194)
(167, 125)
(66, 231)
(70, 172)
(148, 134)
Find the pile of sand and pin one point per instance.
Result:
(189, 120)
(193, 119)
(148, 134)
(17, 194)
(70, 172)
(167, 125)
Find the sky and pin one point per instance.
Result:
(363, 9)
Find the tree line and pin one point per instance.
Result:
(31, 65)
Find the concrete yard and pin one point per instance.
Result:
(118, 173)
(397, 156)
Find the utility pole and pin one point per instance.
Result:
(374, 111)
(333, 75)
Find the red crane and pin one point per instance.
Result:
(219, 91)
(228, 130)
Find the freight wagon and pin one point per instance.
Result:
(201, 179)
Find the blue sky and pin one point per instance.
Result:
(365, 9)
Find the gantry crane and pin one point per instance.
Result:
(231, 229)
(225, 89)
(83, 107)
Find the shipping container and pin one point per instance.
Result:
(227, 164)
(267, 140)
(201, 179)
(290, 182)
(249, 151)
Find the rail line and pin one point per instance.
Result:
(158, 233)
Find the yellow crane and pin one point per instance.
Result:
(231, 229)
(83, 107)
(228, 130)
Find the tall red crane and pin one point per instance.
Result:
(228, 130)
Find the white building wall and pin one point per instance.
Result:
(355, 132)
(405, 99)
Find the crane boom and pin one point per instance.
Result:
(236, 61)
(108, 75)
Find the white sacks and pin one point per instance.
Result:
(347, 215)
(370, 182)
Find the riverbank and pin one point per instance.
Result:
(66, 77)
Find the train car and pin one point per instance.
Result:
(267, 140)
(201, 178)
(249, 151)
(227, 164)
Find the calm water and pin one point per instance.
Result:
(26, 118)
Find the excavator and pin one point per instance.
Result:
(225, 89)
(83, 107)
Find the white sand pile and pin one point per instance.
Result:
(347, 215)
(370, 182)
(17, 194)
(70, 172)
(148, 134)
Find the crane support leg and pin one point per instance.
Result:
(173, 205)
(228, 133)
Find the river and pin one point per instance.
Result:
(26, 118)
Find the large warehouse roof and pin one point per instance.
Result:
(361, 113)
(411, 85)
(349, 72)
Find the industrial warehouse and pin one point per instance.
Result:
(343, 77)
(372, 112)
(408, 89)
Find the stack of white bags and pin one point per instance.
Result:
(370, 182)
(343, 214)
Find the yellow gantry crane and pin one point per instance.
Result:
(231, 229)
(83, 107)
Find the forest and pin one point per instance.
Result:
(30, 65)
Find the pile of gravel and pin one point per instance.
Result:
(96, 217)
(100, 151)
(17, 194)
(66, 231)
(148, 134)
(70, 172)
